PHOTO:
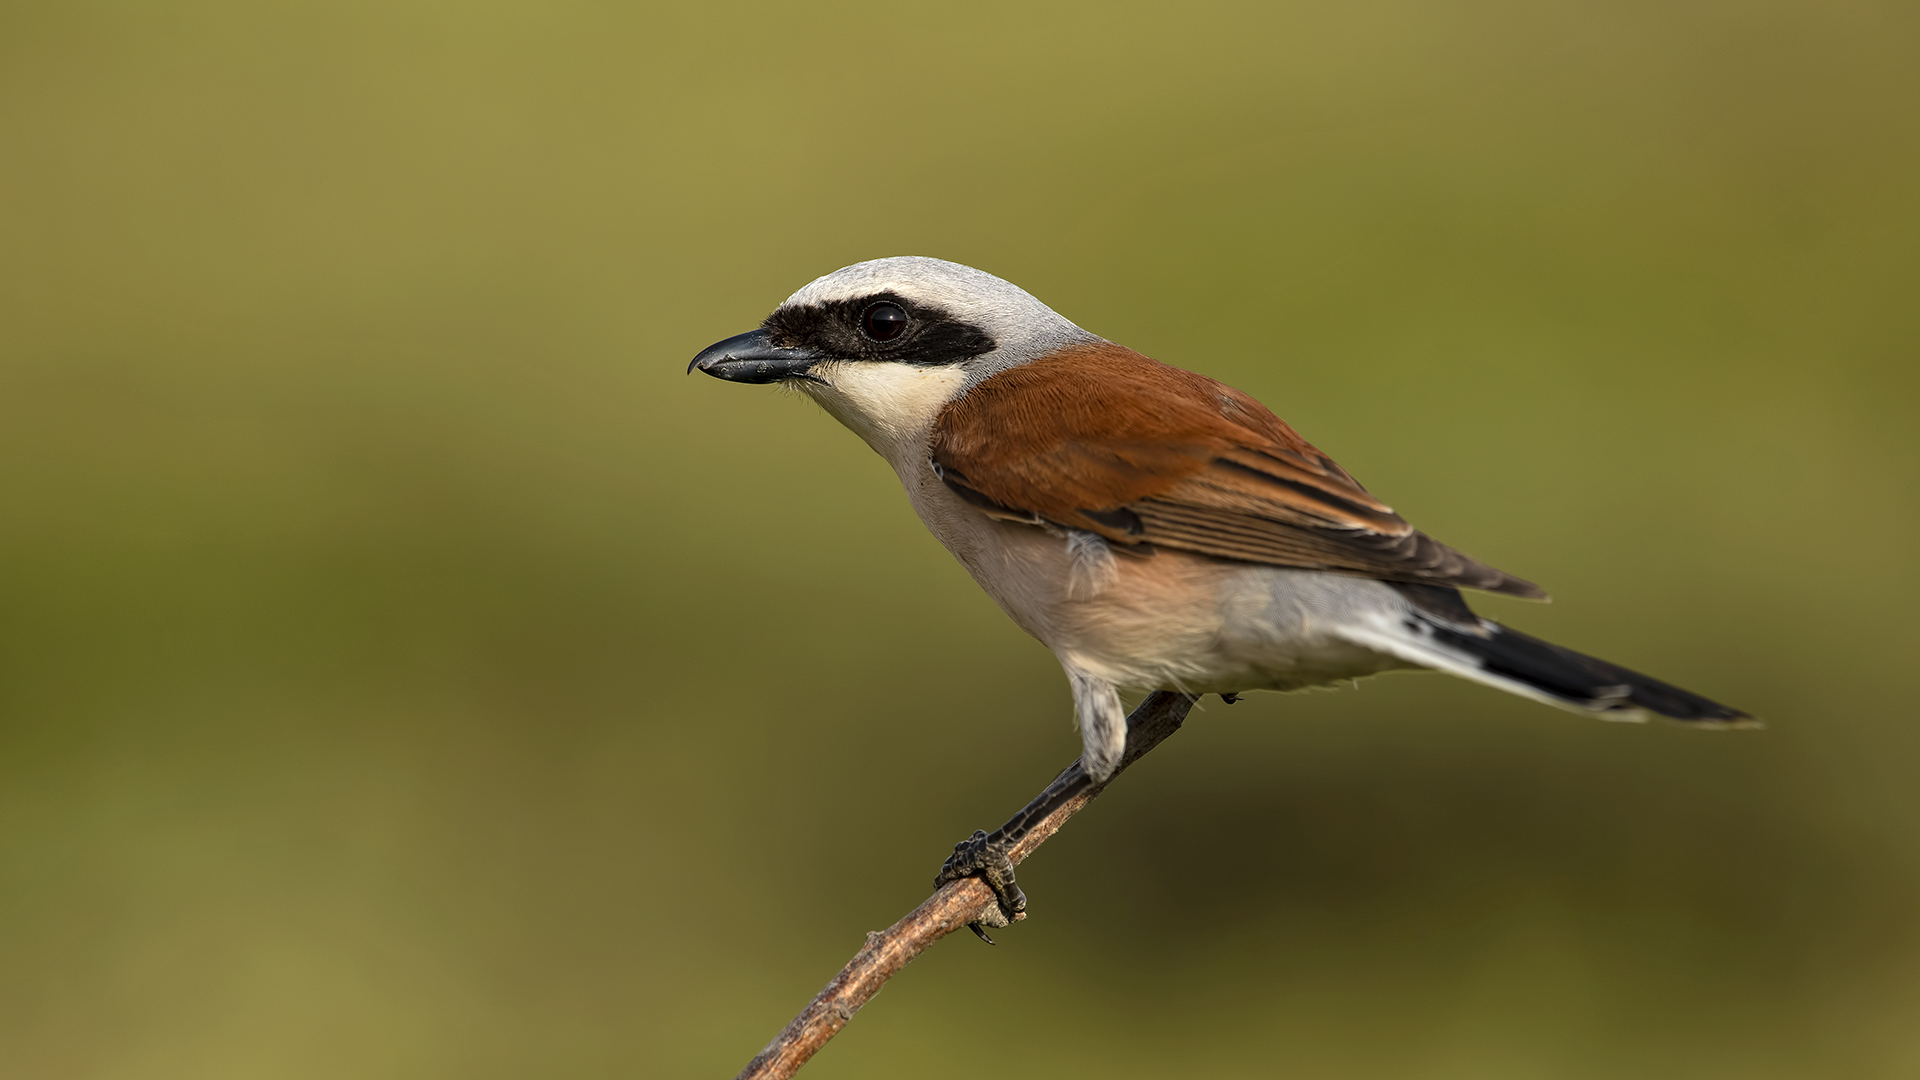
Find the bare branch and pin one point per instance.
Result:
(951, 907)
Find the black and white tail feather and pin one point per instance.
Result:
(1439, 631)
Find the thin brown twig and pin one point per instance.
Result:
(951, 907)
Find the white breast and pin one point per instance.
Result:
(1168, 620)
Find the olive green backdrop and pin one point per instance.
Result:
(409, 672)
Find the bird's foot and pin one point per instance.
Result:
(981, 856)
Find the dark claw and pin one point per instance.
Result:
(981, 934)
(1229, 698)
(978, 856)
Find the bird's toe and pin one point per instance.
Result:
(979, 856)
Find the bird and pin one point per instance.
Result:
(1155, 529)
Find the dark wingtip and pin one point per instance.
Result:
(1525, 590)
(1506, 585)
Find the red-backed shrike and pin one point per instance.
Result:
(1154, 528)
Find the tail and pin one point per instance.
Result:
(1439, 631)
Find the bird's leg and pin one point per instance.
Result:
(985, 854)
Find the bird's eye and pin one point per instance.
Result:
(884, 321)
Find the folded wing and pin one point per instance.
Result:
(1106, 440)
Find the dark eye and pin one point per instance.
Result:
(884, 321)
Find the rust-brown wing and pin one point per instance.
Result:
(1103, 439)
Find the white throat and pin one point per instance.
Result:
(892, 406)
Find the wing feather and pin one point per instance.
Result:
(1103, 439)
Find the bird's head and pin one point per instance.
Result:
(883, 345)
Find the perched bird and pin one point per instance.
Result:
(1153, 528)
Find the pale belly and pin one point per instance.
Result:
(1171, 620)
(1213, 627)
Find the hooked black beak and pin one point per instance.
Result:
(753, 358)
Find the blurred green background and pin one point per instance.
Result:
(410, 672)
